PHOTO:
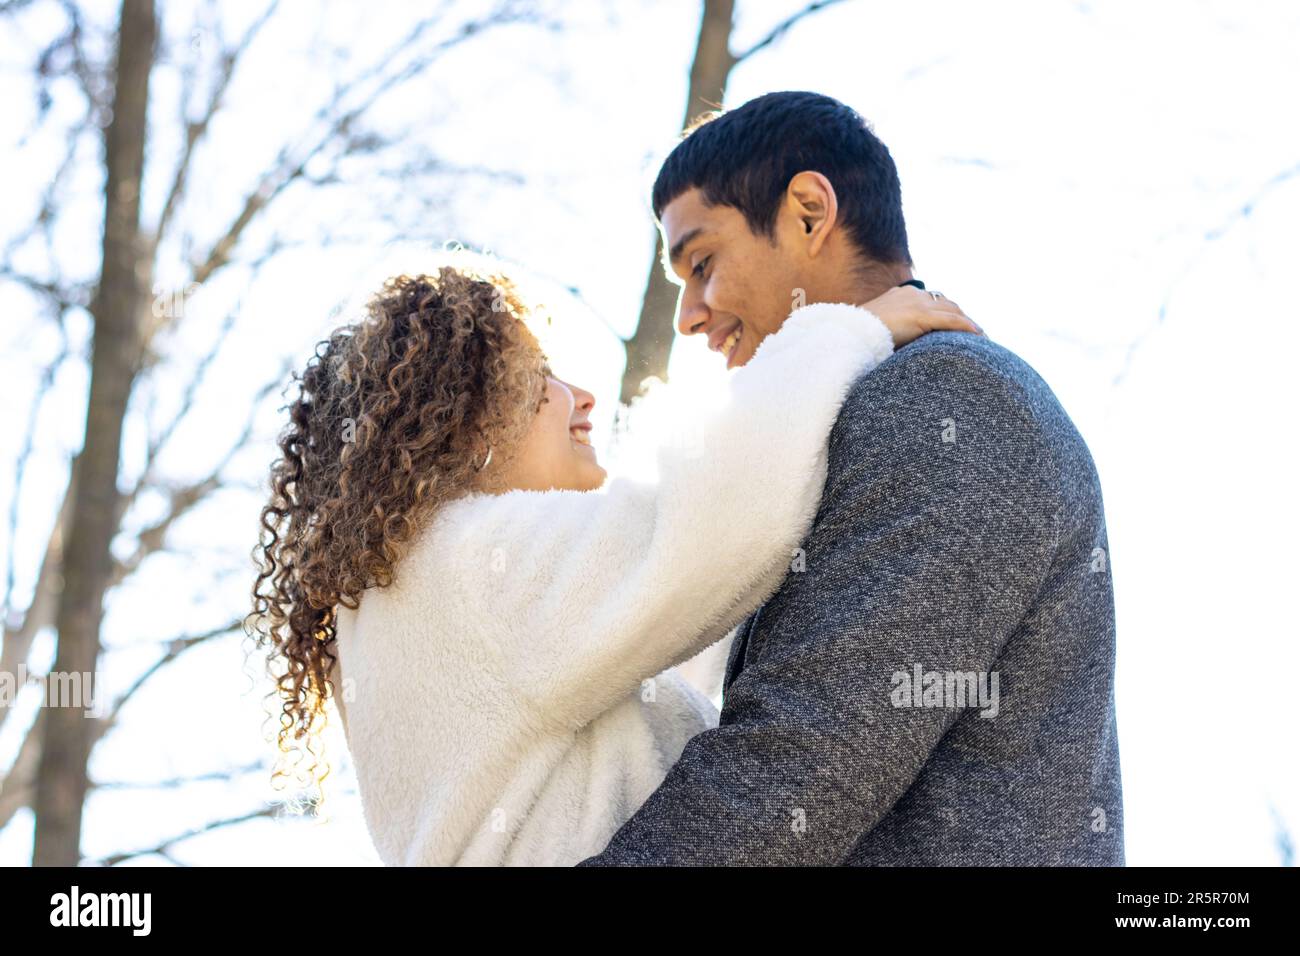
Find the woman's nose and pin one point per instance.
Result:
(583, 399)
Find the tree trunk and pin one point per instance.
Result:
(119, 303)
(650, 346)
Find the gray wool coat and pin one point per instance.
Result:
(933, 684)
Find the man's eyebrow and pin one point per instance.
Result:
(676, 252)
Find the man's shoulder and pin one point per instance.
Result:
(953, 372)
(947, 362)
(977, 398)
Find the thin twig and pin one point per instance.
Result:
(782, 28)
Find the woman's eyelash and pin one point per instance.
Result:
(699, 266)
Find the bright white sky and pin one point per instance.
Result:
(1071, 173)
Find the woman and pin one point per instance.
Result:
(504, 631)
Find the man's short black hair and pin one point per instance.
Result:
(746, 157)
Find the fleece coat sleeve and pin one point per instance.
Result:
(585, 594)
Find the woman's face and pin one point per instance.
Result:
(556, 453)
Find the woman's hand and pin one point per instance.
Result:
(909, 312)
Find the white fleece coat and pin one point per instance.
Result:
(507, 700)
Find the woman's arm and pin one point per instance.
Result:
(587, 594)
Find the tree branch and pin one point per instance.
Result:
(185, 498)
(195, 131)
(40, 611)
(43, 387)
(1238, 215)
(16, 785)
(175, 649)
(175, 783)
(782, 28)
(287, 169)
(164, 848)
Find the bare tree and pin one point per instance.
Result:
(649, 347)
(85, 559)
(119, 301)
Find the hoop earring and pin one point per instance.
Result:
(485, 460)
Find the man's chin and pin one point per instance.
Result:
(743, 354)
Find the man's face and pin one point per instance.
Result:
(737, 287)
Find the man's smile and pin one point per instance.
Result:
(726, 339)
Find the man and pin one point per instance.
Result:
(933, 684)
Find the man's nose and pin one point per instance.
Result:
(692, 313)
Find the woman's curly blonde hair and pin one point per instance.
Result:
(394, 416)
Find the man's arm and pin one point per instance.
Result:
(936, 529)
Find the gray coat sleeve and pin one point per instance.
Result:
(936, 530)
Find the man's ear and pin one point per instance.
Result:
(810, 201)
